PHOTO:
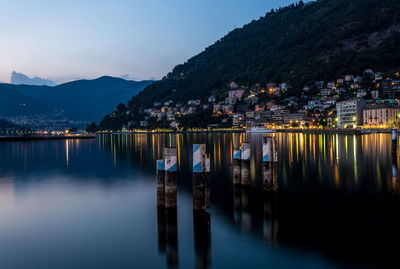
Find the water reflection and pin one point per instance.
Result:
(242, 214)
(333, 191)
(202, 239)
(271, 223)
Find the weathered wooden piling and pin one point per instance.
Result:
(199, 199)
(245, 169)
(236, 167)
(202, 239)
(170, 177)
(207, 180)
(161, 183)
(172, 236)
(274, 150)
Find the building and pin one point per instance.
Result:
(233, 85)
(378, 76)
(236, 94)
(358, 79)
(274, 90)
(217, 108)
(230, 101)
(293, 118)
(194, 102)
(330, 85)
(361, 93)
(227, 109)
(260, 107)
(284, 86)
(349, 78)
(320, 84)
(350, 112)
(325, 92)
(211, 99)
(382, 115)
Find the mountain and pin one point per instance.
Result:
(15, 103)
(299, 44)
(6, 125)
(85, 100)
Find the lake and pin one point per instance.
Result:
(92, 204)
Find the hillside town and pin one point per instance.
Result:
(366, 100)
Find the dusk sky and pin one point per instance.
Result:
(66, 40)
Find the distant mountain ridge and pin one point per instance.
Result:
(299, 44)
(5, 125)
(86, 100)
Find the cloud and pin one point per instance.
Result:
(19, 78)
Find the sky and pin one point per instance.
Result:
(136, 39)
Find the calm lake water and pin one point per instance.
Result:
(92, 204)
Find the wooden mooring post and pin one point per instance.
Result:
(160, 183)
(236, 167)
(170, 177)
(199, 200)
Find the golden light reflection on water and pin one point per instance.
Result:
(343, 160)
(67, 151)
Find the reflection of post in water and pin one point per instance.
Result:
(270, 229)
(202, 238)
(394, 155)
(394, 142)
(246, 215)
(237, 204)
(172, 236)
(270, 157)
(170, 177)
(394, 165)
(162, 229)
(207, 180)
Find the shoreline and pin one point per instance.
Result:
(335, 131)
(306, 131)
(37, 138)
